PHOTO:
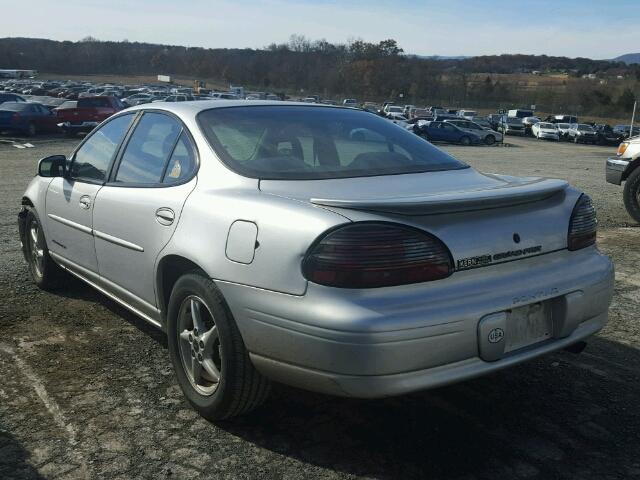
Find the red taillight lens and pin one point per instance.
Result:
(583, 225)
(372, 254)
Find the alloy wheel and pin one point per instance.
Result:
(35, 249)
(199, 345)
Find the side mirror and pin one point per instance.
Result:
(52, 166)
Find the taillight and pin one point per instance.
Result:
(376, 254)
(622, 148)
(583, 225)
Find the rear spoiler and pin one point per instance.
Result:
(504, 195)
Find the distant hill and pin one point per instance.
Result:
(628, 58)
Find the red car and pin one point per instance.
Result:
(89, 112)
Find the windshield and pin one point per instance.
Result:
(547, 125)
(563, 125)
(585, 128)
(304, 143)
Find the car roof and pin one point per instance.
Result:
(193, 107)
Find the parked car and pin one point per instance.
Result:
(26, 118)
(563, 130)
(87, 114)
(10, 97)
(488, 136)
(350, 102)
(623, 167)
(370, 107)
(494, 120)
(511, 126)
(346, 268)
(446, 132)
(606, 135)
(561, 119)
(582, 133)
(528, 123)
(393, 110)
(520, 113)
(468, 114)
(545, 130)
(176, 98)
(137, 99)
(626, 129)
(399, 120)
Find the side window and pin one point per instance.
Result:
(148, 149)
(182, 162)
(92, 159)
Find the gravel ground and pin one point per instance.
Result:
(87, 390)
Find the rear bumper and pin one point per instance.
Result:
(390, 341)
(615, 169)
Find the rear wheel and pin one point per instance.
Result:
(465, 141)
(489, 140)
(631, 195)
(211, 362)
(46, 274)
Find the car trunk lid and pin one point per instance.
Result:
(483, 219)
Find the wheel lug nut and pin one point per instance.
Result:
(199, 357)
(201, 344)
(195, 332)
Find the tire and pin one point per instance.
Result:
(630, 194)
(465, 141)
(240, 387)
(575, 140)
(46, 273)
(489, 140)
(32, 130)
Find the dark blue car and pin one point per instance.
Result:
(26, 118)
(10, 97)
(445, 132)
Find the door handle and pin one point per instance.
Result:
(85, 202)
(165, 216)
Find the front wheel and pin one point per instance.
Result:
(489, 140)
(209, 357)
(631, 193)
(465, 141)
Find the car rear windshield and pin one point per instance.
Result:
(93, 102)
(14, 106)
(304, 143)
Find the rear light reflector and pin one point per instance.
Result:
(583, 225)
(376, 254)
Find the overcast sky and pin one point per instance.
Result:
(587, 28)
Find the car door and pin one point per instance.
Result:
(46, 120)
(69, 199)
(137, 210)
(450, 133)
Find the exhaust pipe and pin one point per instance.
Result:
(577, 347)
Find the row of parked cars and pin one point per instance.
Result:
(466, 127)
(29, 107)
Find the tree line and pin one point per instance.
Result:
(375, 71)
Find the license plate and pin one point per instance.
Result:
(528, 325)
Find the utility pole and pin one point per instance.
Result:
(633, 118)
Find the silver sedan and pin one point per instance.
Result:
(322, 247)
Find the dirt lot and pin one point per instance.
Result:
(87, 390)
